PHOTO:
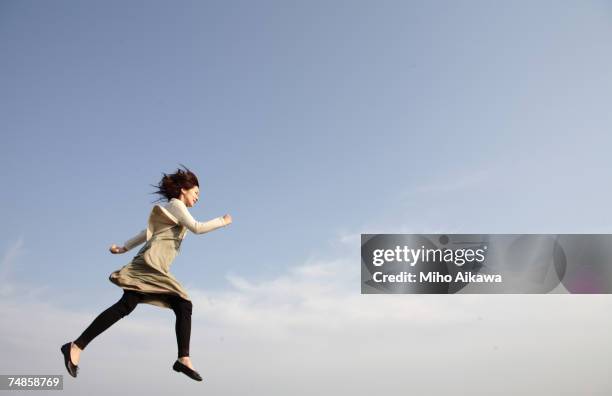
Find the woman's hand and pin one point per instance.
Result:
(227, 219)
(114, 249)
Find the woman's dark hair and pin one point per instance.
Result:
(170, 185)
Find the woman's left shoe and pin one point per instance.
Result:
(71, 367)
(180, 367)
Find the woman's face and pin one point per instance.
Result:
(191, 196)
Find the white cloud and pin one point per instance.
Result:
(310, 331)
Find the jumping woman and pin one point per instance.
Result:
(147, 279)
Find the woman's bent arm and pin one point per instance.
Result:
(197, 227)
(136, 240)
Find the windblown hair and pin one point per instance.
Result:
(170, 185)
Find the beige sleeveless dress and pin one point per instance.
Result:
(149, 270)
(154, 280)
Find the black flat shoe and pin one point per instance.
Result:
(180, 367)
(72, 368)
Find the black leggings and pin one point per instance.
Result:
(127, 303)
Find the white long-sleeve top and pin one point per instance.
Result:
(179, 210)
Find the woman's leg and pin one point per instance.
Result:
(182, 308)
(106, 319)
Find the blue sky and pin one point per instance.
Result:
(309, 122)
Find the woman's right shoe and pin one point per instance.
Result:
(72, 368)
(180, 367)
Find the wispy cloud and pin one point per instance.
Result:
(315, 299)
(309, 327)
(9, 259)
(460, 181)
